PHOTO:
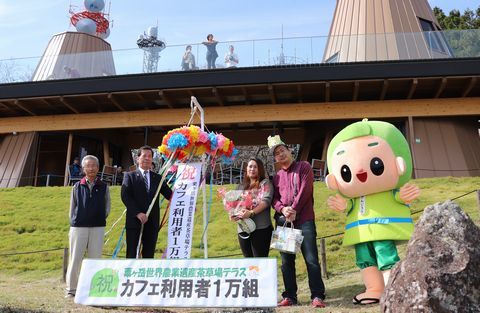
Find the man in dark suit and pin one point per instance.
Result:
(138, 190)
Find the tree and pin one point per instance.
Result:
(470, 19)
(460, 31)
(11, 72)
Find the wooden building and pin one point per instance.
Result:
(435, 102)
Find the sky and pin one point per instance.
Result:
(26, 26)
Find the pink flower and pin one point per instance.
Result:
(236, 199)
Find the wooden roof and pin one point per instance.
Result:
(317, 83)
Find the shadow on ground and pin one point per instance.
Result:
(342, 296)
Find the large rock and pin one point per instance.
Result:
(441, 272)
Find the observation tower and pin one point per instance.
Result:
(83, 53)
(378, 30)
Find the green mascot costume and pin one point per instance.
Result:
(369, 164)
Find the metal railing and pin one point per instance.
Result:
(252, 53)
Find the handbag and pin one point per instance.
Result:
(287, 239)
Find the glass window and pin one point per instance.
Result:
(432, 37)
(332, 59)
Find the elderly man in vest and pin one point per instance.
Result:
(89, 208)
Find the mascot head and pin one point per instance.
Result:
(368, 157)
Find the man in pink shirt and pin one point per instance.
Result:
(293, 202)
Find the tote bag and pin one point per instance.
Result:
(286, 239)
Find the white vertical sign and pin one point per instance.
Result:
(182, 211)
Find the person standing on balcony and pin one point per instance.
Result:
(231, 58)
(212, 54)
(89, 209)
(71, 72)
(188, 59)
(293, 203)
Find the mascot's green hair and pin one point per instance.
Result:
(384, 130)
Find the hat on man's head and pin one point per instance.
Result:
(273, 142)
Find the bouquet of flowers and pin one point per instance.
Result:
(234, 201)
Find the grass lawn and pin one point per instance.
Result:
(36, 219)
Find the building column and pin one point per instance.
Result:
(67, 162)
(106, 153)
(411, 140)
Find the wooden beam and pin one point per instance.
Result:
(46, 102)
(37, 158)
(271, 92)
(411, 137)
(469, 87)
(299, 93)
(384, 89)
(326, 143)
(106, 153)
(441, 87)
(307, 146)
(19, 104)
(277, 126)
(67, 159)
(112, 99)
(91, 99)
(245, 94)
(217, 95)
(140, 96)
(327, 92)
(356, 89)
(166, 98)
(413, 87)
(68, 105)
(3, 105)
(257, 113)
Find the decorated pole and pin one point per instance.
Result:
(182, 145)
(196, 106)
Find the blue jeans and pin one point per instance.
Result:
(211, 60)
(310, 255)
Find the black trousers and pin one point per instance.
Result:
(258, 244)
(149, 242)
